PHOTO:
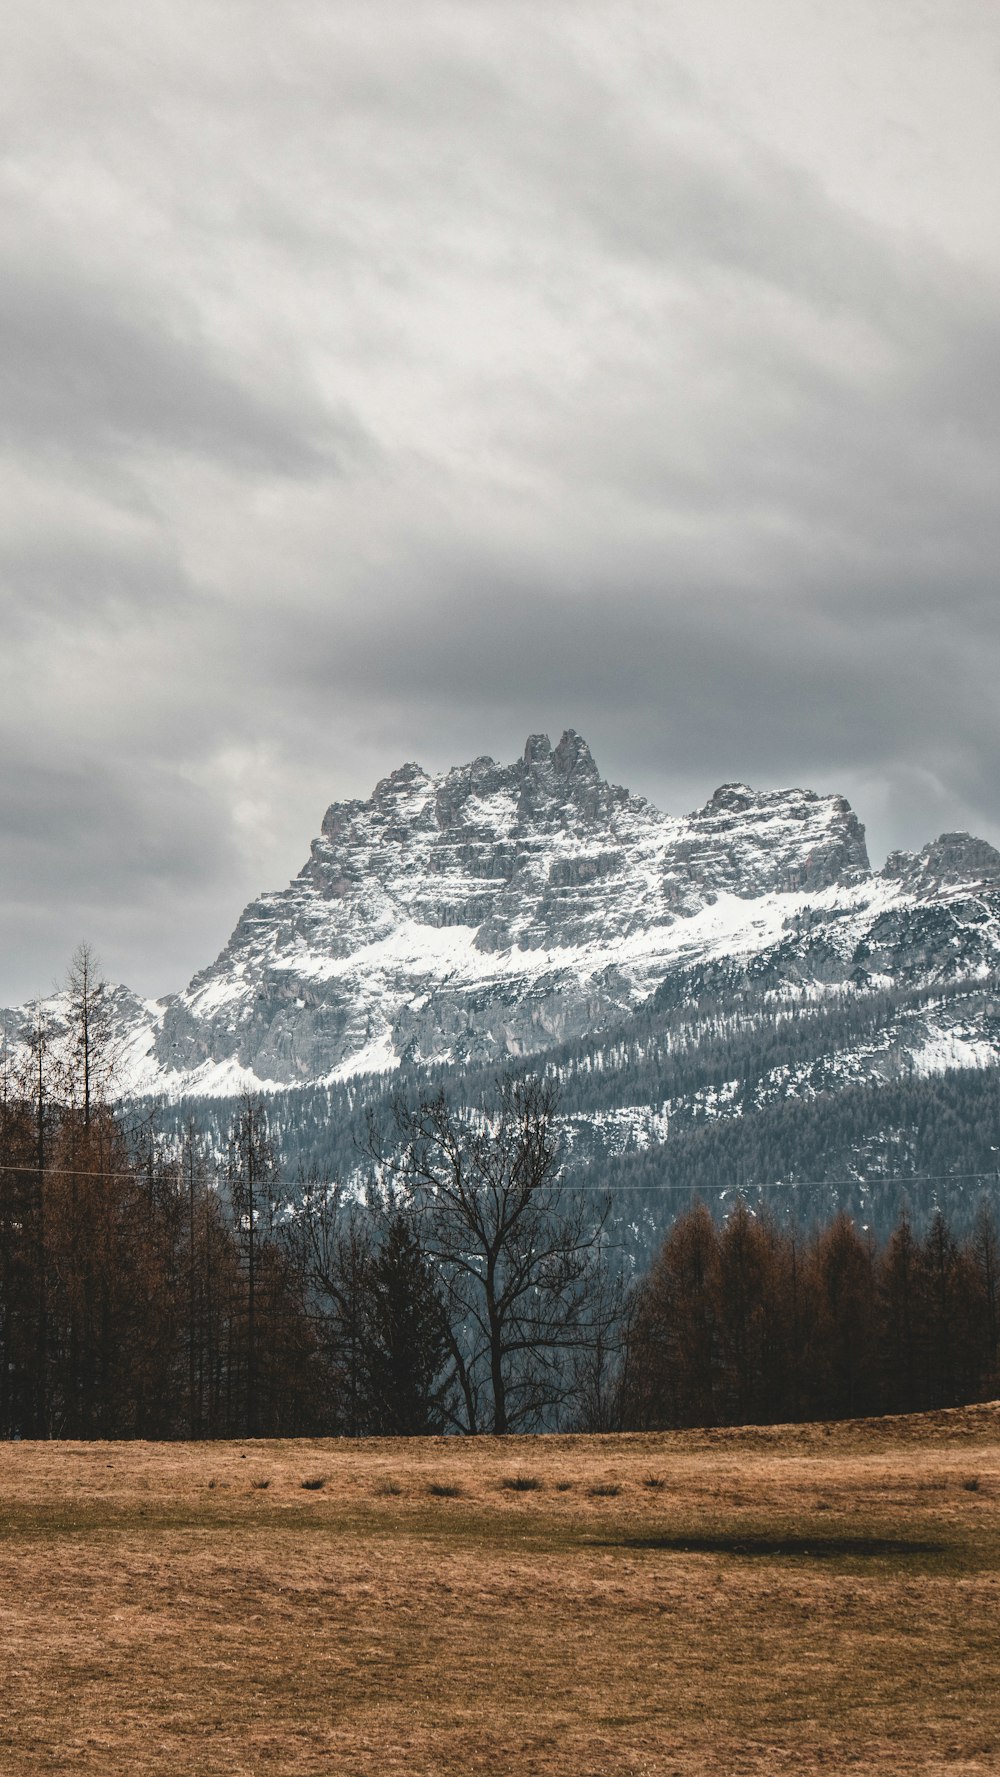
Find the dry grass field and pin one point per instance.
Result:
(791, 1600)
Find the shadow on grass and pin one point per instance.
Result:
(763, 1547)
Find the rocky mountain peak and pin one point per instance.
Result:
(399, 783)
(952, 860)
(735, 798)
(496, 909)
(573, 759)
(752, 842)
(562, 785)
(537, 748)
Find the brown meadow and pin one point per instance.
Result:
(790, 1599)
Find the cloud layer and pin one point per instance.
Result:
(387, 381)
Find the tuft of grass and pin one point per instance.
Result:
(972, 1484)
(521, 1483)
(604, 1490)
(564, 1486)
(314, 1483)
(260, 1485)
(655, 1483)
(388, 1489)
(443, 1490)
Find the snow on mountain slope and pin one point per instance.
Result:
(495, 910)
(499, 909)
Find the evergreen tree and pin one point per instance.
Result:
(410, 1373)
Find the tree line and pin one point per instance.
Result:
(748, 1322)
(165, 1289)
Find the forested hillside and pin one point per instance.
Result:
(808, 1108)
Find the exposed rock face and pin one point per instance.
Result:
(955, 858)
(495, 910)
(748, 842)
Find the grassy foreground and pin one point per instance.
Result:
(789, 1600)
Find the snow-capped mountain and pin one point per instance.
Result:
(499, 910)
(494, 910)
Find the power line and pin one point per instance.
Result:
(75, 1171)
(930, 1178)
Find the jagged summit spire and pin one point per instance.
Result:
(571, 758)
(574, 759)
(537, 749)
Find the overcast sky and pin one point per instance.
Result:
(385, 381)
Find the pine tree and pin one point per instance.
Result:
(410, 1374)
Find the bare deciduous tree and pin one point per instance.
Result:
(518, 1255)
(91, 1060)
(330, 1242)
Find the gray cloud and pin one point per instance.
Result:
(78, 377)
(385, 382)
(118, 851)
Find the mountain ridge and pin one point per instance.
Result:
(493, 911)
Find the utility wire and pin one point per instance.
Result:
(929, 1178)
